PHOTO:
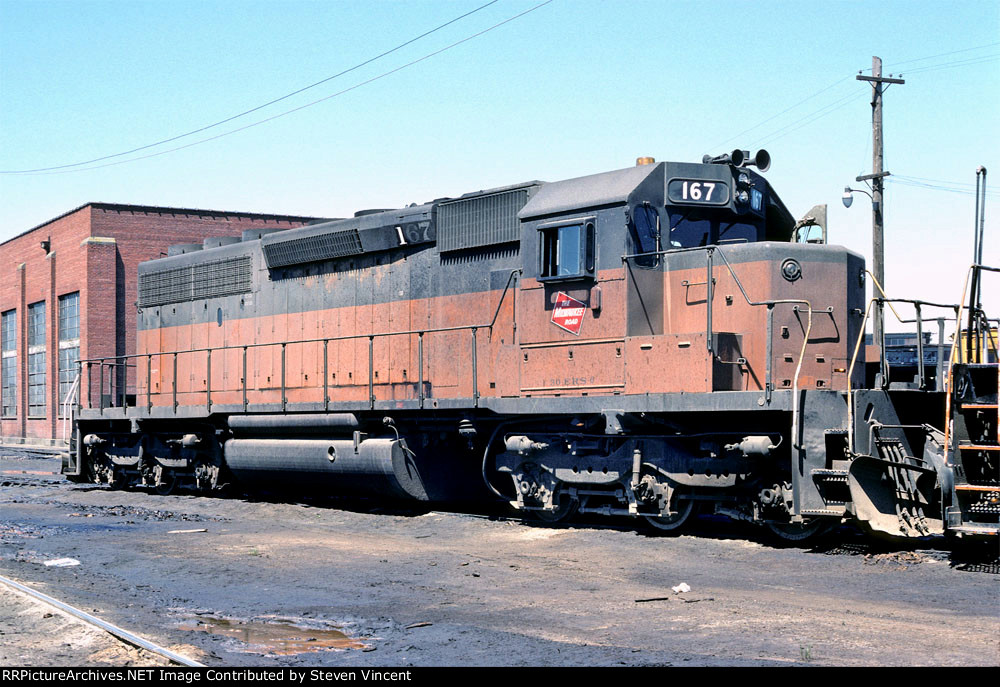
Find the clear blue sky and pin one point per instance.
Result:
(573, 88)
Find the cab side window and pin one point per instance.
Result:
(644, 227)
(566, 251)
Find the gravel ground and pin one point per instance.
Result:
(36, 634)
(446, 588)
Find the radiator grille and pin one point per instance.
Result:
(221, 278)
(312, 248)
(205, 280)
(165, 286)
(480, 221)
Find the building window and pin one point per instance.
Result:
(36, 359)
(8, 364)
(69, 342)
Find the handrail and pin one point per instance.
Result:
(796, 438)
(67, 404)
(990, 338)
(305, 341)
(973, 268)
(122, 360)
(882, 358)
(957, 307)
(958, 328)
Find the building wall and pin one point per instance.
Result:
(98, 309)
(95, 251)
(142, 235)
(29, 275)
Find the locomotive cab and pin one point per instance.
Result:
(616, 271)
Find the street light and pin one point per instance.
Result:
(848, 198)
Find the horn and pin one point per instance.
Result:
(762, 160)
(735, 158)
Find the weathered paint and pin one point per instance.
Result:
(535, 358)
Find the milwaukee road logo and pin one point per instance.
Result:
(568, 313)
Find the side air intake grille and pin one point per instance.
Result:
(221, 278)
(164, 286)
(480, 220)
(296, 251)
(205, 280)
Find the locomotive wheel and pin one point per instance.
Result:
(565, 511)
(799, 533)
(668, 523)
(118, 481)
(166, 484)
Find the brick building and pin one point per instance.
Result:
(68, 292)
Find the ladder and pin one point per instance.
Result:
(973, 449)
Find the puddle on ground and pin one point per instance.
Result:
(277, 637)
(28, 472)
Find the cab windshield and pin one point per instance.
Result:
(690, 231)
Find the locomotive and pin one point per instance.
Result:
(650, 342)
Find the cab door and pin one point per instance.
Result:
(644, 273)
(572, 323)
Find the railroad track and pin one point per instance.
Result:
(121, 635)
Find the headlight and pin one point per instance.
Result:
(791, 270)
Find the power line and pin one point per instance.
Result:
(865, 155)
(896, 65)
(934, 187)
(788, 109)
(959, 63)
(837, 104)
(808, 119)
(935, 181)
(302, 107)
(775, 135)
(840, 103)
(258, 107)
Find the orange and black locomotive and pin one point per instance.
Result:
(646, 342)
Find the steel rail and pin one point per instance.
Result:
(118, 632)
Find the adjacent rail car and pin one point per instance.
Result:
(648, 342)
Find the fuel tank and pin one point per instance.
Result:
(370, 467)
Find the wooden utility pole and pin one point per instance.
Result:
(876, 177)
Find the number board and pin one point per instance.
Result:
(698, 191)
